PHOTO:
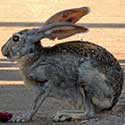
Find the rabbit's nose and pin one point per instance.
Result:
(4, 51)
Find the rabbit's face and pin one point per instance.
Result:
(20, 45)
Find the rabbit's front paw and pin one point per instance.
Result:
(23, 118)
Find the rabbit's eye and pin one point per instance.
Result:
(15, 38)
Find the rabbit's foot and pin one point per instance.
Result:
(71, 115)
(23, 118)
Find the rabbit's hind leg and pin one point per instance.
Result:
(102, 104)
(88, 112)
(96, 85)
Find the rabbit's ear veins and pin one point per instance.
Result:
(70, 15)
(62, 30)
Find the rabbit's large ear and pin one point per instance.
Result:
(61, 30)
(70, 15)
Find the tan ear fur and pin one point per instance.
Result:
(62, 30)
(69, 15)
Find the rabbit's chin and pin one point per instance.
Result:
(20, 57)
(15, 57)
(12, 58)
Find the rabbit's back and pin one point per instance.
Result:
(67, 63)
(100, 59)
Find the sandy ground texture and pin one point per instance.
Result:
(107, 28)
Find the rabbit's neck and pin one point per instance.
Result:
(30, 58)
(27, 61)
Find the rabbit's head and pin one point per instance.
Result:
(60, 26)
(21, 44)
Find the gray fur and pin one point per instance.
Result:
(79, 71)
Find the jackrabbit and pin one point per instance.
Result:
(80, 71)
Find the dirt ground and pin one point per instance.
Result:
(106, 22)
